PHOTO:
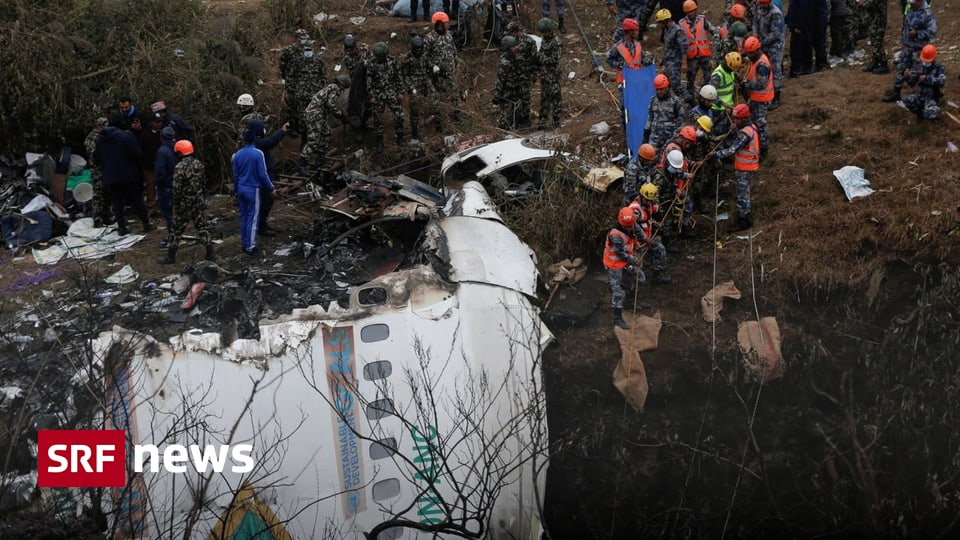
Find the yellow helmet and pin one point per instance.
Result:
(663, 15)
(733, 60)
(705, 123)
(648, 191)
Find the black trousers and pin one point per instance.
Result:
(130, 193)
(452, 10)
(422, 3)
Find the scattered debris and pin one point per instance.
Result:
(854, 183)
(760, 344)
(123, 276)
(712, 303)
(952, 147)
(601, 179)
(630, 376)
(84, 241)
(600, 128)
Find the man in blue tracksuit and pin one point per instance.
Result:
(266, 144)
(249, 177)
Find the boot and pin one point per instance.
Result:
(209, 256)
(378, 145)
(744, 223)
(892, 96)
(775, 104)
(560, 27)
(618, 319)
(170, 257)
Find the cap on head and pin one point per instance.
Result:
(168, 134)
(514, 26)
(302, 34)
(102, 121)
(752, 44)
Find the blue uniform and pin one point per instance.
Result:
(163, 164)
(249, 177)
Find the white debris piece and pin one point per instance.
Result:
(855, 185)
(601, 128)
(125, 275)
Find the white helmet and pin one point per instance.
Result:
(708, 92)
(675, 159)
(246, 100)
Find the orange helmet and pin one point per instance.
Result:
(741, 111)
(661, 81)
(439, 17)
(751, 44)
(928, 53)
(630, 24)
(763, 1)
(689, 133)
(689, 5)
(737, 11)
(184, 147)
(626, 217)
(647, 151)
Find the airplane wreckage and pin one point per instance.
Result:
(410, 405)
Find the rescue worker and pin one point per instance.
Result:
(545, 13)
(551, 99)
(621, 263)
(759, 89)
(875, 12)
(245, 107)
(325, 103)
(101, 199)
(355, 58)
(929, 77)
(674, 51)
(385, 86)
(289, 58)
(529, 65)
(249, 178)
(725, 79)
(418, 84)
(627, 54)
(645, 207)
(769, 28)
(919, 27)
(639, 171)
(625, 9)
(309, 77)
(665, 114)
(677, 176)
(704, 107)
(508, 89)
(700, 33)
(671, 174)
(441, 54)
(189, 205)
(745, 151)
(164, 162)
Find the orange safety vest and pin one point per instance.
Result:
(748, 157)
(610, 259)
(672, 145)
(630, 61)
(767, 93)
(643, 216)
(724, 31)
(698, 44)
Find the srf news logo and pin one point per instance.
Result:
(98, 458)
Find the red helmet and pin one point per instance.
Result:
(751, 44)
(661, 81)
(626, 217)
(439, 17)
(184, 147)
(737, 11)
(647, 151)
(763, 1)
(928, 53)
(689, 133)
(630, 24)
(689, 5)
(741, 111)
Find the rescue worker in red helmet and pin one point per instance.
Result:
(665, 115)
(646, 207)
(628, 53)
(638, 172)
(619, 257)
(745, 151)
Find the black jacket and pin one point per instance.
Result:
(118, 153)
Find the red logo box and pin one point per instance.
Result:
(81, 458)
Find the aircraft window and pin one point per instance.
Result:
(374, 296)
(373, 333)
(383, 448)
(380, 408)
(377, 370)
(386, 489)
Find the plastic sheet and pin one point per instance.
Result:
(855, 185)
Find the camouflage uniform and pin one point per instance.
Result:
(189, 205)
(664, 119)
(768, 26)
(621, 281)
(244, 120)
(925, 102)
(701, 63)
(874, 14)
(920, 19)
(645, 212)
(550, 80)
(674, 51)
(102, 214)
(511, 84)
(758, 109)
(417, 81)
(354, 62)
(749, 7)
(742, 179)
(323, 103)
(385, 86)
(637, 173)
(310, 78)
(529, 65)
(440, 51)
(288, 58)
(630, 9)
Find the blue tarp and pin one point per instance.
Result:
(637, 91)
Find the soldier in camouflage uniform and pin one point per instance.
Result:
(189, 205)
(310, 78)
(325, 103)
(674, 51)
(529, 66)
(385, 86)
(418, 83)
(638, 172)
(731, 42)
(929, 77)
(245, 106)
(550, 76)
(441, 56)
(102, 215)
(355, 58)
(665, 116)
(510, 83)
(289, 57)
(874, 14)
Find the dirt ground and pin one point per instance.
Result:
(825, 451)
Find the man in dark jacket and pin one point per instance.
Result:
(163, 165)
(266, 144)
(150, 141)
(118, 152)
(183, 128)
